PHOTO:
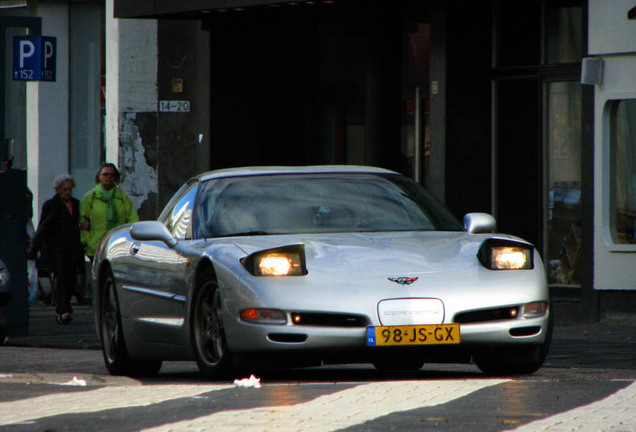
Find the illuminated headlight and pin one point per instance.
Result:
(284, 261)
(509, 257)
(498, 254)
(276, 264)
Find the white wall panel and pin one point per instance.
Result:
(610, 31)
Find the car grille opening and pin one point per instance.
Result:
(287, 337)
(328, 319)
(486, 315)
(525, 331)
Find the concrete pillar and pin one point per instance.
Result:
(131, 91)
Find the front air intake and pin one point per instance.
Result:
(487, 315)
(287, 337)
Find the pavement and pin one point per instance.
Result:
(44, 332)
(611, 343)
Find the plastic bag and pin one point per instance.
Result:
(32, 271)
(33, 280)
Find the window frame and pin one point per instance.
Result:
(188, 191)
(608, 168)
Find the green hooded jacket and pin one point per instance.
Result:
(95, 210)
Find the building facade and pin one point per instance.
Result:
(611, 72)
(50, 127)
(56, 127)
(525, 115)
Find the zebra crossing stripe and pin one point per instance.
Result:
(616, 413)
(96, 400)
(338, 410)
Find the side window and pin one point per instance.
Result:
(178, 217)
(205, 224)
(623, 171)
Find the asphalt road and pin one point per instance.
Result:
(66, 389)
(586, 384)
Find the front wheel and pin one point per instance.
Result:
(114, 350)
(208, 334)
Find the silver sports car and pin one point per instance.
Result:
(296, 266)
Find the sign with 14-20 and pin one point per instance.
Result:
(34, 58)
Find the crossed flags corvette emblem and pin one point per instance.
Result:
(403, 280)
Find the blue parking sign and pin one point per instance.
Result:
(34, 58)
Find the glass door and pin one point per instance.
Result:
(415, 145)
(563, 146)
(87, 92)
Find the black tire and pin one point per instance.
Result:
(3, 336)
(114, 350)
(207, 332)
(522, 360)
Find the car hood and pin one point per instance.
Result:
(395, 252)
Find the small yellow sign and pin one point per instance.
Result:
(177, 85)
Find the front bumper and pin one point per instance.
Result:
(246, 337)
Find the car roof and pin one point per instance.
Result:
(314, 169)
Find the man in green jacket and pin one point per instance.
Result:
(104, 208)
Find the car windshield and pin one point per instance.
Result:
(316, 203)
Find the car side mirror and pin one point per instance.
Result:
(479, 223)
(152, 231)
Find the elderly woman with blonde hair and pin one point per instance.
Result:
(59, 230)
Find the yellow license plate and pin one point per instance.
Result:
(435, 334)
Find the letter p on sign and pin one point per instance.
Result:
(26, 51)
(34, 58)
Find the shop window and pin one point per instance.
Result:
(564, 194)
(86, 84)
(415, 145)
(623, 171)
(564, 32)
(518, 33)
(560, 24)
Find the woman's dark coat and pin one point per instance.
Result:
(59, 231)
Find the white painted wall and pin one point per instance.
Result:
(131, 87)
(612, 37)
(47, 110)
(131, 72)
(610, 32)
(111, 123)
